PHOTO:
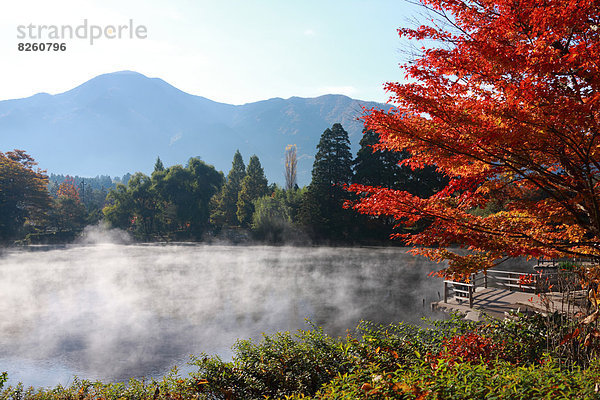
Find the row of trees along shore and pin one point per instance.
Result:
(195, 201)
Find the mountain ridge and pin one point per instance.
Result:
(120, 122)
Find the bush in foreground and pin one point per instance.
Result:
(452, 359)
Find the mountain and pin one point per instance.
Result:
(120, 122)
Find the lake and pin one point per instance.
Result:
(114, 311)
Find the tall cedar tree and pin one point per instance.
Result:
(224, 204)
(508, 107)
(322, 207)
(380, 167)
(158, 165)
(254, 186)
(24, 196)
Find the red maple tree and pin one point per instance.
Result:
(505, 101)
(68, 189)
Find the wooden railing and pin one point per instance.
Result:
(515, 281)
(461, 291)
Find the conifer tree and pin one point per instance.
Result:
(158, 166)
(225, 203)
(322, 207)
(374, 166)
(254, 186)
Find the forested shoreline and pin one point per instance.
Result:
(196, 202)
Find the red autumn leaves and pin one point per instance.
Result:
(506, 105)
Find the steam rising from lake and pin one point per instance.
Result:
(102, 310)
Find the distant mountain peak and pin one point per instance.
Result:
(120, 121)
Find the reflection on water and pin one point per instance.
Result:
(110, 311)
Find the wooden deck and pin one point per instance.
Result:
(497, 303)
(477, 297)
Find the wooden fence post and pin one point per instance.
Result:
(485, 283)
(471, 289)
(445, 292)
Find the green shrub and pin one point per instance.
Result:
(449, 380)
(171, 387)
(279, 365)
(451, 359)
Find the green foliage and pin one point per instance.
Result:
(224, 204)
(67, 214)
(253, 187)
(524, 339)
(568, 266)
(92, 192)
(275, 216)
(144, 203)
(158, 165)
(174, 202)
(322, 211)
(299, 365)
(459, 360)
(184, 195)
(24, 199)
(279, 365)
(464, 381)
(271, 218)
(119, 209)
(451, 359)
(333, 161)
(73, 216)
(52, 237)
(376, 167)
(380, 168)
(293, 201)
(171, 387)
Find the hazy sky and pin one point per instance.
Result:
(225, 50)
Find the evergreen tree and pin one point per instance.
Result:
(158, 166)
(376, 167)
(224, 204)
(380, 168)
(254, 186)
(333, 161)
(125, 179)
(322, 206)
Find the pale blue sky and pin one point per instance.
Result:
(229, 51)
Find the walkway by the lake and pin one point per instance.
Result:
(508, 294)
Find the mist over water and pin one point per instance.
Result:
(102, 310)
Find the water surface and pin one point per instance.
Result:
(114, 311)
